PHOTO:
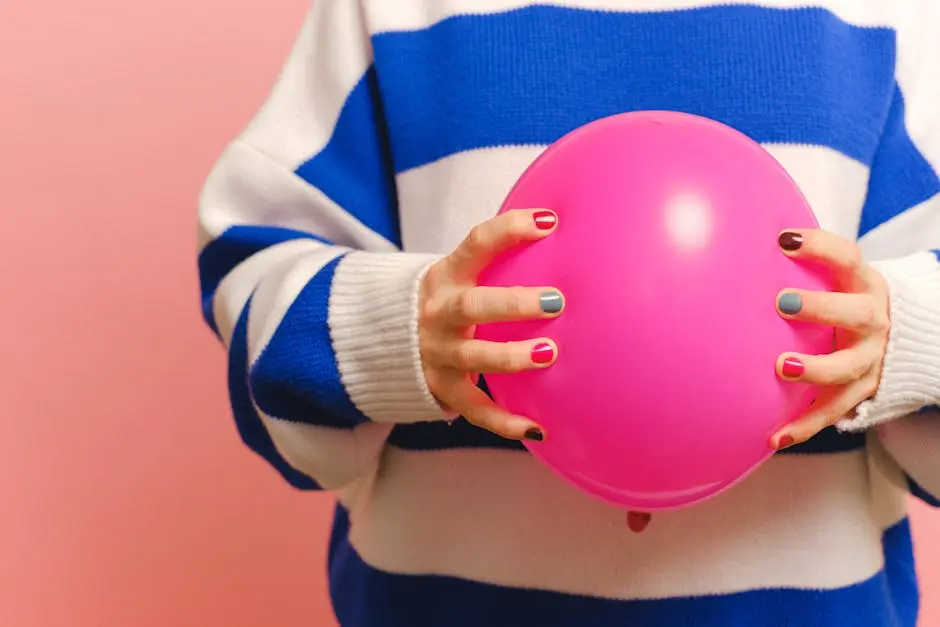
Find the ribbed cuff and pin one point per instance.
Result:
(374, 328)
(910, 379)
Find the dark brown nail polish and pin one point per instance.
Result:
(789, 241)
(535, 435)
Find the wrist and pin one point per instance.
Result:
(373, 319)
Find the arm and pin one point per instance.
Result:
(900, 228)
(301, 274)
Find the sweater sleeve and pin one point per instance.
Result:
(301, 269)
(900, 233)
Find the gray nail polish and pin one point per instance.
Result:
(790, 304)
(551, 302)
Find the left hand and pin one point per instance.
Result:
(858, 310)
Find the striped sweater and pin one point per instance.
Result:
(397, 125)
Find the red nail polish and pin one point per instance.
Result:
(792, 368)
(545, 220)
(543, 353)
(638, 522)
(785, 441)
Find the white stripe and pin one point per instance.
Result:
(500, 517)
(334, 458)
(444, 199)
(449, 196)
(237, 286)
(915, 443)
(246, 187)
(329, 57)
(918, 74)
(916, 229)
(416, 14)
(833, 184)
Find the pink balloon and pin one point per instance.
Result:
(664, 392)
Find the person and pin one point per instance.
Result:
(342, 232)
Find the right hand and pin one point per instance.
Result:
(452, 304)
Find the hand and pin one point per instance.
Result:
(858, 310)
(452, 304)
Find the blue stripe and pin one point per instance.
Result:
(296, 377)
(354, 170)
(435, 436)
(366, 597)
(529, 76)
(901, 177)
(250, 427)
(233, 246)
(936, 253)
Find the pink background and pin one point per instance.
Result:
(128, 500)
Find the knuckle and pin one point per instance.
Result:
(431, 311)
(514, 303)
(853, 260)
(470, 304)
(476, 238)
(464, 356)
(516, 226)
(506, 361)
(480, 417)
(866, 314)
(859, 368)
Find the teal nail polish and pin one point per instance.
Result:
(551, 302)
(790, 304)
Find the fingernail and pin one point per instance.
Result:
(543, 353)
(545, 220)
(790, 241)
(785, 441)
(535, 435)
(790, 303)
(551, 302)
(638, 522)
(792, 368)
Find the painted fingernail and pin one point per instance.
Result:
(543, 353)
(535, 435)
(551, 302)
(545, 220)
(785, 441)
(638, 522)
(792, 368)
(790, 303)
(790, 241)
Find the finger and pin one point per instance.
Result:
(638, 522)
(479, 409)
(482, 305)
(838, 368)
(471, 355)
(497, 235)
(836, 405)
(854, 312)
(822, 247)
